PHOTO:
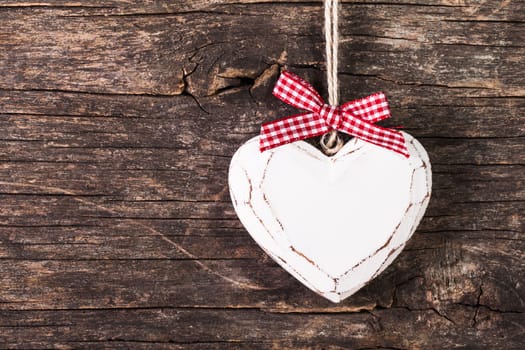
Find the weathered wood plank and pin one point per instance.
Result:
(456, 116)
(481, 10)
(172, 54)
(363, 330)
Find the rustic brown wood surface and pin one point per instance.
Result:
(118, 119)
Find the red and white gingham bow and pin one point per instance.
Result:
(355, 118)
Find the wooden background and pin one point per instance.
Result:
(118, 119)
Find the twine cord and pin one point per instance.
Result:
(331, 29)
(330, 142)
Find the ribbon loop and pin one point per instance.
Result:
(297, 93)
(355, 118)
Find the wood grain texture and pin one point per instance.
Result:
(117, 123)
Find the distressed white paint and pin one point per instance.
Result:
(332, 222)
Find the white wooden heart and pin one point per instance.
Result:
(334, 223)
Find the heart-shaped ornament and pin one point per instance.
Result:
(334, 223)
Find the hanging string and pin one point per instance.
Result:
(331, 29)
(331, 142)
